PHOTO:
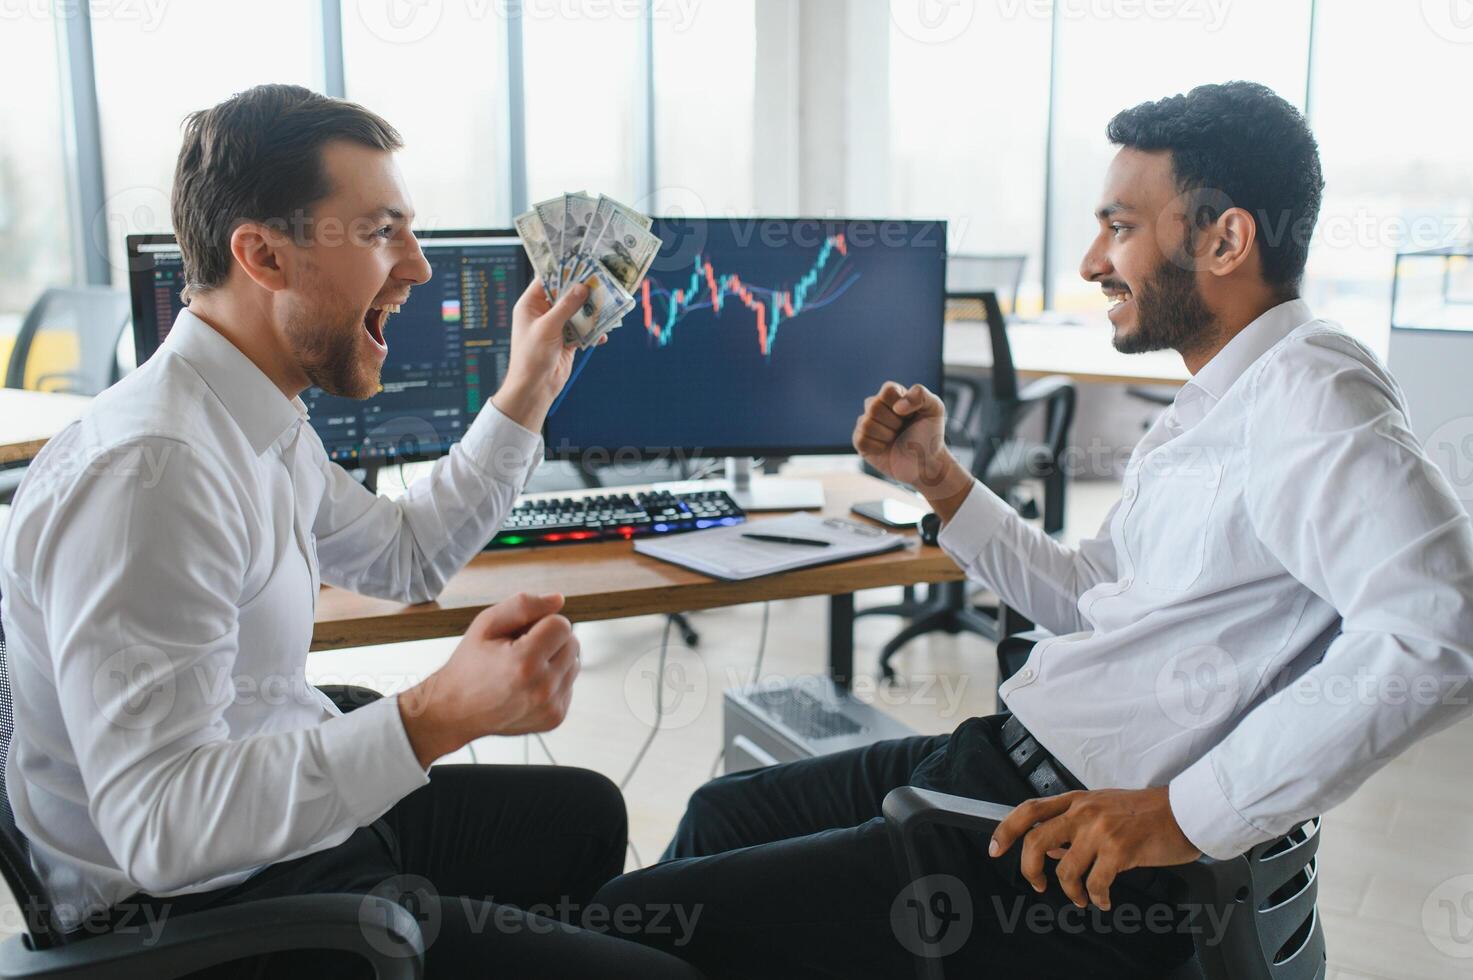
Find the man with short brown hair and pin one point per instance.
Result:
(169, 753)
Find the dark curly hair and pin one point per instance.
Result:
(1238, 144)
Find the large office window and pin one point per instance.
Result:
(1389, 84)
(35, 240)
(151, 73)
(440, 77)
(704, 75)
(1114, 56)
(968, 128)
(585, 89)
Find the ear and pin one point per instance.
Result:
(259, 250)
(1228, 242)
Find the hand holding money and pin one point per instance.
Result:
(599, 242)
(540, 362)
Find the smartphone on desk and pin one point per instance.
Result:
(891, 513)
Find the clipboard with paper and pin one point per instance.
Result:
(725, 554)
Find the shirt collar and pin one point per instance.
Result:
(1209, 384)
(263, 413)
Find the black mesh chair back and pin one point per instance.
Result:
(1273, 929)
(15, 852)
(73, 333)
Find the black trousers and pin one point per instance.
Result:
(792, 874)
(498, 863)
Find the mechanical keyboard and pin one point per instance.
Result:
(615, 516)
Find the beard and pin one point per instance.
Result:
(327, 340)
(1170, 312)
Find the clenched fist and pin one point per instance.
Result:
(902, 433)
(511, 674)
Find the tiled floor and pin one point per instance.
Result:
(1394, 899)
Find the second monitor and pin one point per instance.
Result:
(759, 337)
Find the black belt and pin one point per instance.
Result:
(1044, 773)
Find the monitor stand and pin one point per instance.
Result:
(768, 492)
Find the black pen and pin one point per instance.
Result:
(779, 539)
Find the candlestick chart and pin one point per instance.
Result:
(762, 334)
(766, 308)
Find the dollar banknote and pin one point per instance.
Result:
(625, 247)
(603, 310)
(533, 234)
(576, 237)
(577, 214)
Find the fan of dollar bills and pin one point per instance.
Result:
(608, 245)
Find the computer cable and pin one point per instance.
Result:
(659, 705)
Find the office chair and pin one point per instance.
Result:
(1001, 461)
(90, 317)
(1265, 898)
(377, 930)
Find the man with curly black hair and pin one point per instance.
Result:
(1280, 537)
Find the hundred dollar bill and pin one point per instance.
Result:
(577, 213)
(607, 207)
(605, 307)
(533, 234)
(550, 213)
(625, 247)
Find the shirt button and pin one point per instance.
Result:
(1027, 674)
(1129, 493)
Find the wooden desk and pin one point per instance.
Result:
(1083, 352)
(29, 418)
(608, 580)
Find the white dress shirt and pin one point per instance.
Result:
(160, 572)
(1281, 493)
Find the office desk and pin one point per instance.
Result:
(608, 580)
(29, 418)
(1083, 352)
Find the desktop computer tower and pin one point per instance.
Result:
(768, 724)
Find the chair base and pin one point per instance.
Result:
(947, 609)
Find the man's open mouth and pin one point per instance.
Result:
(1118, 298)
(376, 319)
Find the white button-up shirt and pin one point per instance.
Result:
(1280, 494)
(160, 572)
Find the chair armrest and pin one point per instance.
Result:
(910, 807)
(383, 933)
(908, 810)
(1043, 389)
(1147, 395)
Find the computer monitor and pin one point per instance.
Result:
(448, 346)
(759, 337)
